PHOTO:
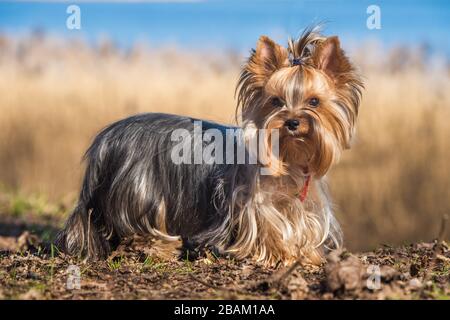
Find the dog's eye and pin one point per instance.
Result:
(313, 102)
(277, 102)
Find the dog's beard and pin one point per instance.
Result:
(310, 150)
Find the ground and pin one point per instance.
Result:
(31, 268)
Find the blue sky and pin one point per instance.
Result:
(233, 24)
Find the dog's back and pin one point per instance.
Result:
(129, 180)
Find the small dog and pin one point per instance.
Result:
(308, 93)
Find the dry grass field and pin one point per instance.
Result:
(392, 187)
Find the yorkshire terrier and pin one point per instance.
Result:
(308, 93)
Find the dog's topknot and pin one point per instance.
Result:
(300, 50)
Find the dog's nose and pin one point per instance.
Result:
(291, 124)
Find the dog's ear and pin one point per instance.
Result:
(267, 58)
(329, 57)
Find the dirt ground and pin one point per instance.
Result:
(30, 268)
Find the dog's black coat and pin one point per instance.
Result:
(130, 171)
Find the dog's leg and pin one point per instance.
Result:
(85, 233)
(81, 235)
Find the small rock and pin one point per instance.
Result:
(425, 245)
(415, 284)
(344, 271)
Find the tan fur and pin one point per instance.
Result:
(273, 224)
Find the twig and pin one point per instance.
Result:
(288, 272)
(276, 279)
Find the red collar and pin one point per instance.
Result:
(304, 189)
